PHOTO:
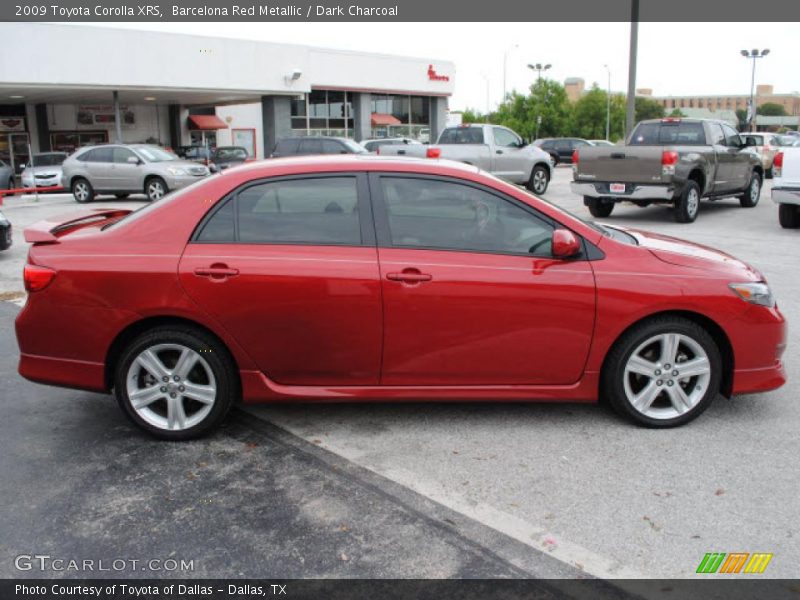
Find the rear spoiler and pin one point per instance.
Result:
(48, 231)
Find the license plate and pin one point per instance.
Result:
(617, 188)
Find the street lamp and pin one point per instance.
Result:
(754, 54)
(505, 62)
(608, 104)
(539, 67)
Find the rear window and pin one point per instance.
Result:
(668, 133)
(462, 135)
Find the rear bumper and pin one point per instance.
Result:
(63, 372)
(786, 195)
(636, 192)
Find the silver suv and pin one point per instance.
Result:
(123, 169)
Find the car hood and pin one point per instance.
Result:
(683, 253)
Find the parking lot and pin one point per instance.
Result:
(493, 490)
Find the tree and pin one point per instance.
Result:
(547, 99)
(472, 115)
(741, 115)
(676, 112)
(647, 108)
(771, 109)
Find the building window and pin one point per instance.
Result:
(323, 112)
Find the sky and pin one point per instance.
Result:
(674, 58)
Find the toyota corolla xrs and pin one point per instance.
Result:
(370, 278)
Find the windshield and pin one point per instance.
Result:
(145, 209)
(230, 154)
(155, 154)
(50, 159)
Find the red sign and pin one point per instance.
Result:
(434, 76)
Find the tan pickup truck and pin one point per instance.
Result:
(671, 161)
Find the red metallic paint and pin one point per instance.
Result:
(325, 323)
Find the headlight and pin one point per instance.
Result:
(754, 293)
(177, 171)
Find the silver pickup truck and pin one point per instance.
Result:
(672, 161)
(492, 148)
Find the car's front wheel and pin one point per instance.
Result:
(663, 372)
(82, 190)
(540, 178)
(176, 383)
(155, 188)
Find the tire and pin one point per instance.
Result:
(121, 196)
(155, 188)
(789, 216)
(539, 180)
(174, 412)
(752, 194)
(11, 185)
(768, 173)
(636, 394)
(82, 190)
(598, 208)
(687, 204)
(555, 159)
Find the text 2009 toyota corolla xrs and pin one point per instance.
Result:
(352, 278)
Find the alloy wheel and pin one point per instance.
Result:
(155, 190)
(171, 387)
(692, 203)
(666, 376)
(539, 181)
(755, 189)
(81, 191)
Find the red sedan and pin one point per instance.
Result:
(370, 278)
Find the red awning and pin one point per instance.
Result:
(206, 122)
(381, 119)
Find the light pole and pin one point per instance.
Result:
(608, 105)
(486, 79)
(751, 111)
(539, 67)
(630, 109)
(505, 63)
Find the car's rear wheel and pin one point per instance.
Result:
(540, 178)
(687, 204)
(752, 193)
(10, 185)
(789, 216)
(121, 196)
(176, 383)
(599, 207)
(82, 190)
(663, 372)
(155, 188)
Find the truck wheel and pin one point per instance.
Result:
(598, 207)
(752, 193)
(539, 180)
(688, 203)
(789, 216)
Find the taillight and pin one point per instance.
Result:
(433, 152)
(669, 159)
(777, 164)
(574, 157)
(378, 150)
(37, 278)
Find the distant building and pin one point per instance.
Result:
(574, 86)
(764, 94)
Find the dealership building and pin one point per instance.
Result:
(76, 85)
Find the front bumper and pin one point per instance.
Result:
(786, 195)
(632, 192)
(175, 182)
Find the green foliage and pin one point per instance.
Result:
(676, 112)
(547, 99)
(647, 108)
(771, 109)
(472, 115)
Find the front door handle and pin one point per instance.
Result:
(216, 271)
(409, 276)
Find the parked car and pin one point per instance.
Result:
(44, 170)
(123, 169)
(671, 161)
(786, 186)
(229, 156)
(5, 232)
(265, 284)
(600, 143)
(199, 154)
(374, 145)
(765, 145)
(311, 145)
(561, 149)
(7, 181)
(495, 149)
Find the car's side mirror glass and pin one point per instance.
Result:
(565, 244)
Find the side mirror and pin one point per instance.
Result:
(565, 244)
(22, 167)
(134, 160)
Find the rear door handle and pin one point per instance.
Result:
(409, 276)
(216, 271)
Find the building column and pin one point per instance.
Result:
(362, 115)
(276, 120)
(438, 115)
(42, 128)
(174, 126)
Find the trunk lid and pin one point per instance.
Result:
(623, 164)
